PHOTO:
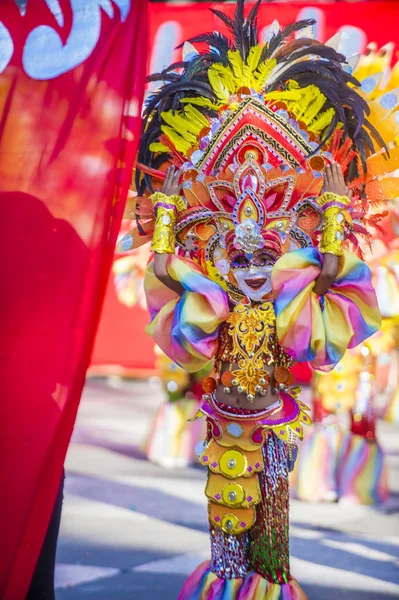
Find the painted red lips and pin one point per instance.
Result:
(256, 283)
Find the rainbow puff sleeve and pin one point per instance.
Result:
(320, 328)
(186, 328)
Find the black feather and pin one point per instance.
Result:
(253, 15)
(241, 41)
(282, 35)
(212, 39)
(374, 133)
(253, 24)
(163, 77)
(293, 46)
(225, 18)
(319, 50)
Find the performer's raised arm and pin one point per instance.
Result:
(337, 200)
(166, 207)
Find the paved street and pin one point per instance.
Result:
(133, 531)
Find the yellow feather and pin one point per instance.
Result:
(220, 91)
(306, 105)
(185, 127)
(322, 121)
(254, 57)
(247, 76)
(195, 116)
(226, 76)
(253, 62)
(288, 95)
(230, 80)
(237, 65)
(315, 107)
(205, 102)
(179, 143)
(262, 74)
(158, 147)
(307, 97)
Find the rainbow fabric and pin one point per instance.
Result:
(203, 584)
(362, 473)
(316, 328)
(315, 478)
(172, 439)
(186, 328)
(392, 410)
(386, 282)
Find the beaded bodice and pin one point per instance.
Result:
(248, 342)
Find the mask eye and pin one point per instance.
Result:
(263, 260)
(240, 262)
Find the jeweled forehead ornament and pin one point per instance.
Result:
(248, 237)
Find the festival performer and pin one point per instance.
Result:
(386, 277)
(335, 463)
(362, 470)
(172, 440)
(241, 180)
(314, 478)
(362, 475)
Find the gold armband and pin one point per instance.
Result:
(161, 199)
(333, 231)
(163, 239)
(335, 216)
(330, 199)
(166, 209)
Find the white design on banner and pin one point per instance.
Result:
(318, 15)
(45, 56)
(353, 40)
(6, 47)
(21, 6)
(54, 6)
(166, 39)
(107, 7)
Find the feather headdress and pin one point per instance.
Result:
(252, 127)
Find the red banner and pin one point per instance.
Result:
(71, 78)
(360, 23)
(122, 345)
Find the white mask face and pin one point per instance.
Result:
(254, 282)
